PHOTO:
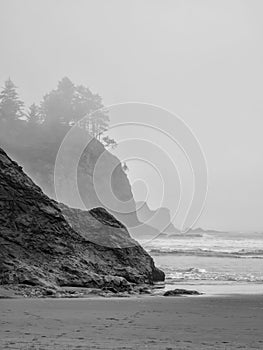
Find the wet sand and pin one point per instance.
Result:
(206, 322)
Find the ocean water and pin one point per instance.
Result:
(212, 262)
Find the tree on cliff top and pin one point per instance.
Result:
(11, 107)
(69, 104)
(57, 106)
(61, 108)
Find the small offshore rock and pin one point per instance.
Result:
(179, 292)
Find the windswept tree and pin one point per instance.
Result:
(11, 107)
(109, 142)
(90, 107)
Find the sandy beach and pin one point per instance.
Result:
(206, 322)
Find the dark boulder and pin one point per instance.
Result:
(179, 292)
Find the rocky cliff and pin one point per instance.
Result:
(37, 151)
(46, 246)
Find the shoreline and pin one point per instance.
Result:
(205, 290)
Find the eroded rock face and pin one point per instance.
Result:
(98, 226)
(43, 246)
(37, 153)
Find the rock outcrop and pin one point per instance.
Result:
(180, 292)
(42, 245)
(37, 153)
(160, 218)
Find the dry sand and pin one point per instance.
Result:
(230, 322)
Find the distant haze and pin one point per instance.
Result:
(200, 59)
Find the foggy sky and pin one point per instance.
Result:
(200, 59)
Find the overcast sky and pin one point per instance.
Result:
(200, 59)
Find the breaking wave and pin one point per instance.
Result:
(243, 253)
(197, 275)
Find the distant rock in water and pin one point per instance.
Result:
(47, 244)
(160, 218)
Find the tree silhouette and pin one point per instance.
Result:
(61, 108)
(69, 104)
(108, 142)
(89, 105)
(125, 167)
(11, 107)
(83, 106)
(57, 106)
(34, 115)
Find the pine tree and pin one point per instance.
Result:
(57, 107)
(34, 115)
(69, 104)
(65, 91)
(11, 107)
